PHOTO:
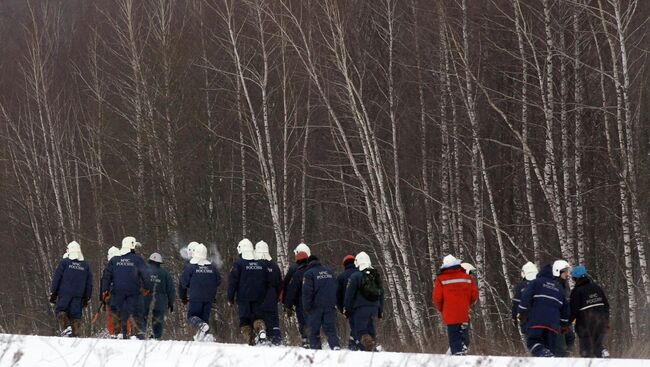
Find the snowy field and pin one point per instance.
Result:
(41, 351)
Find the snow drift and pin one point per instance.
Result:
(42, 351)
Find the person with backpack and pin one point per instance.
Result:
(545, 310)
(273, 290)
(454, 292)
(292, 300)
(200, 279)
(161, 298)
(247, 286)
(72, 286)
(590, 312)
(319, 303)
(528, 273)
(342, 284)
(364, 301)
(125, 275)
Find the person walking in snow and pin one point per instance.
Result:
(364, 301)
(72, 286)
(292, 269)
(273, 290)
(105, 301)
(453, 294)
(198, 289)
(528, 273)
(342, 283)
(247, 285)
(161, 298)
(545, 310)
(319, 303)
(590, 312)
(125, 275)
(566, 339)
(292, 299)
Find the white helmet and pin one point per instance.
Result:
(529, 271)
(469, 268)
(128, 244)
(112, 252)
(262, 251)
(200, 255)
(559, 266)
(74, 251)
(302, 248)
(245, 249)
(191, 247)
(449, 261)
(156, 257)
(362, 261)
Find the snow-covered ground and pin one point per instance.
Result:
(42, 351)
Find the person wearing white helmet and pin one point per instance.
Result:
(247, 286)
(364, 301)
(111, 253)
(528, 274)
(126, 276)
(292, 293)
(566, 340)
(161, 298)
(72, 286)
(273, 290)
(301, 248)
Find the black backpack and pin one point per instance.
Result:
(370, 286)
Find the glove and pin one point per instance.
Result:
(347, 313)
(170, 307)
(53, 298)
(565, 329)
(84, 302)
(521, 318)
(106, 296)
(185, 300)
(145, 292)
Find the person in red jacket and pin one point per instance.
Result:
(453, 293)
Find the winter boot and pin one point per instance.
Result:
(367, 342)
(604, 353)
(305, 343)
(202, 332)
(64, 324)
(260, 331)
(247, 332)
(76, 328)
(135, 330)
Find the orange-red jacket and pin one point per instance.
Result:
(453, 293)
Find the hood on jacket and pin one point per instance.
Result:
(546, 272)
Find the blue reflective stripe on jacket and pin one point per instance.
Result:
(72, 278)
(543, 302)
(201, 281)
(318, 287)
(247, 281)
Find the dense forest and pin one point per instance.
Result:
(500, 131)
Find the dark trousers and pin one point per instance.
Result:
(302, 322)
(455, 333)
(591, 338)
(70, 305)
(272, 321)
(363, 322)
(325, 318)
(158, 317)
(353, 343)
(540, 342)
(249, 311)
(198, 312)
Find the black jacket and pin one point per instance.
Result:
(517, 291)
(588, 303)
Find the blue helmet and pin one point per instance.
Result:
(579, 272)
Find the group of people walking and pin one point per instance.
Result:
(137, 296)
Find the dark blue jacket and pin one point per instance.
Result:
(318, 287)
(543, 302)
(127, 274)
(247, 281)
(354, 299)
(72, 278)
(287, 279)
(293, 296)
(274, 284)
(162, 286)
(517, 291)
(342, 284)
(202, 282)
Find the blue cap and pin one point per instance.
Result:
(579, 272)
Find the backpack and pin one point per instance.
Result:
(370, 285)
